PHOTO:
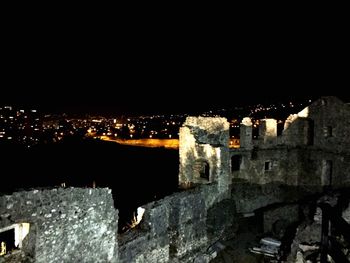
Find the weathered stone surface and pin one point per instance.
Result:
(246, 134)
(279, 218)
(268, 131)
(313, 149)
(208, 130)
(222, 220)
(69, 225)
(249, 197)
(177, 228)
(204, 153)
(80, 225)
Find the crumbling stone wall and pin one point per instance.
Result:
(270, 165)
(324, 124)
(149, 241)
(331, 123)
(66, 224)
(179, 228)
(246, 134)
(249, 197)
(205, 140)
(294, 166)
(268, 132)
(312, 150)
(182, 227)
(298, 131)
(280, 217)
(80, 225)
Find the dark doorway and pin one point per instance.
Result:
(202, 169)
(236, 163)
(268, 166)
(7, 238)
(310, 133)
(204, 173)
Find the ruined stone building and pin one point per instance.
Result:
(280, 177)
(313, 149)
(220, 189)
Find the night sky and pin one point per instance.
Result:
(147, 66)
(61, 82)
(142, 81)
(129, 100)
(83, 69)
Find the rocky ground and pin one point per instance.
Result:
(237, 248)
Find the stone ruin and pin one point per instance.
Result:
(81, 225)
(65, 225)
(275, 180)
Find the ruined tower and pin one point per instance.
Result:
(204, 152)
(246, 133)
(268, 131)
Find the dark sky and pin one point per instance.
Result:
(144, 68)
(129, 100)
(164, 85)
(84, 87)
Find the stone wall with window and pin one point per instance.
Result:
(64, 225)
(313, 149)
(331, 123)
(81, 225)
(204, 153)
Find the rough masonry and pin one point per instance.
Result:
(268, 178)
(313, 149)
(65, 225)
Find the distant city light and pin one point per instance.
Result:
(32, 128)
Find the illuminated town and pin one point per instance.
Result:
(30, 126)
